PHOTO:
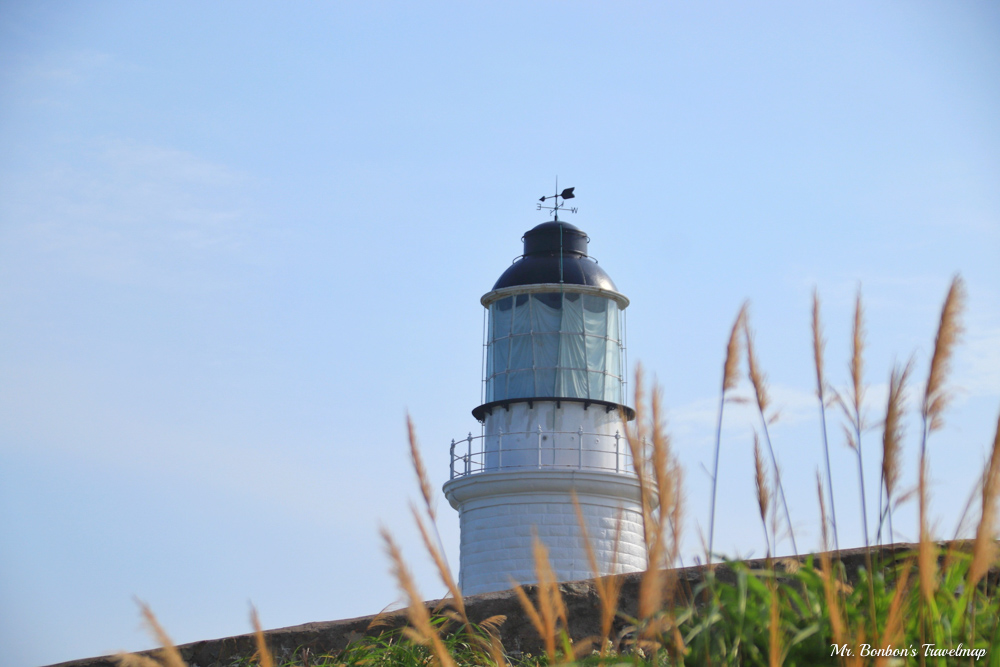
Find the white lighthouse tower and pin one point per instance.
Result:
(554, 394)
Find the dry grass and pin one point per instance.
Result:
(421, 630)
(774, 657)
(831, 589)
(455, 595)
(434, 547)
(662, 508)
(418, 466)
(892, 437)
(819, 345)
(763, 490)
(759, 382)
(936, 394)
(550, 609)
(984, 551)
(857, 365)
(264, 657)
(167, 656)
(936, 398)
(853, 407)
(754, 371)
(893, 635)
(731, 367)
(730, 377)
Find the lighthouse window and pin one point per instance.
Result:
(500, 313)
(554, 344)
(520, 352)
(522, 315)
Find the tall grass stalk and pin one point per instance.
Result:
(763, 490)
(935, 400)
(264, 656)
(550, 609)
(421, 630)
(168, 654)
(659, 475)
(853, 406)
(818, 347)
(853, 411)
(985, 549)
(730, 376)
(831, 588)
(759, 382)
(892, 438)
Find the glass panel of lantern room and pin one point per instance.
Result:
(546, 312)
(498, 349)
(595, 315)
(522, 315)
(597, 354)
(597, 385)
(545, 382)
(521, 384)
(571, 380)
(546, 351)
(613, 384)
(613, 323)
(500, 356)
(500, 313)
(520, 352)
(549, 345)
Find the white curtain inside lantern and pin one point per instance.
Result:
(554, 345)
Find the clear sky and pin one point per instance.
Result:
(238, 241)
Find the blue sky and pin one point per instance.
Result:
(238, 241)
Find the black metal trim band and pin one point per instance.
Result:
(487, 408)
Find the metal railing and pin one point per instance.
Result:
(540, 450)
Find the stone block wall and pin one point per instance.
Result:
(497, 538)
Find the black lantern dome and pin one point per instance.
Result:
(555, 252)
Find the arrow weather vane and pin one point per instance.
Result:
(564, 195)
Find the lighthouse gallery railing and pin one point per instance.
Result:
(540, 449)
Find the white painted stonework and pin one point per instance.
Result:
(542, 435)
(499, 511)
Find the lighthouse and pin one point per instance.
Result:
(552, 422)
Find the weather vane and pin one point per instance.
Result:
(564, 195)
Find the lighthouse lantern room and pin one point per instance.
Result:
(552, 422)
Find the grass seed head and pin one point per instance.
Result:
(421, 630)
(757, 377)
(264, 656)
(762, 487)
(169, 655)
(731, 369)
(818, 345)
(442, 566)
(892, 435)
(418, 466)
(857, 366)
(936, 396)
